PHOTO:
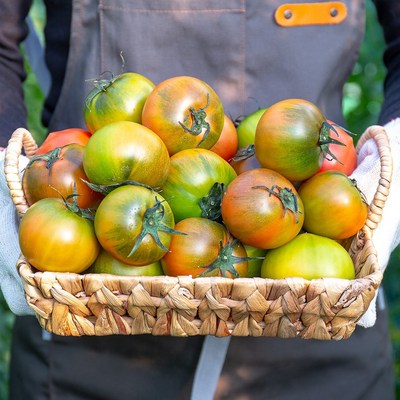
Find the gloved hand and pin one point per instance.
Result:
(387, 235)
(10, 282)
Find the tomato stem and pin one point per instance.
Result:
(100, 85)
(198, 122)
(87, 213)
(106, 189)
(50, 158)
(286, 197)
(210, 205)
(355, 184)
(325, 140)
(244, 153)
(152, 224)
(225, 261)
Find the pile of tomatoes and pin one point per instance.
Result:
(163, 182)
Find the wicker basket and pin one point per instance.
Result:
(73, 304)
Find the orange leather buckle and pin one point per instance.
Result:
(322, 13)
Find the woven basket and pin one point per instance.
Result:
(93, 304)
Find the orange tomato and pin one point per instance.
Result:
(227, 143)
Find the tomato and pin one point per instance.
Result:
(333, 205)
(346, 155)
(106, 264)
(246, 130)
(134, 225)
(54, 238)
(123, 151)
(262, 209)
(292, 138)
(61, 138)
(255, 263)
(120, 98)
(308, 256)
(195, 183)
(244, 160)
(205, 250)
(185, 112)
(59, 173)
(227, 143)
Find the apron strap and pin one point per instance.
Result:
(209, 367)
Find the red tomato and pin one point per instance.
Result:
(333, 205)
(55, 238)
(227, 143)
(346, 156)
(262, 209)
(206, 249)
(59, 173)
(185, 112)
(61, 138)
(308, 256)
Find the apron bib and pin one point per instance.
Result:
(234, 45)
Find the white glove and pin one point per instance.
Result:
(10, 282)
(387, 235)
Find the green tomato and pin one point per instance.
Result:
(255, 265)
(106, 264)
(119, 99)
(246, 130)
(308, 256)
(195, 183)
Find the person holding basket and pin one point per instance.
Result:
(245, 50)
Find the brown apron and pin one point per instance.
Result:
(251, 61)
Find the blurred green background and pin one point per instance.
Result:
(363, 95)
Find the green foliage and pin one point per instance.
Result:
(363, 92)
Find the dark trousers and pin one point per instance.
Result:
(147, 367)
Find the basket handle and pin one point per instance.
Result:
(379, 135)
(21, 139)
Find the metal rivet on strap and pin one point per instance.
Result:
(334, 12)
(288, 14)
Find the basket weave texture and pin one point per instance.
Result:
(101, 304)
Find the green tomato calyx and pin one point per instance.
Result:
(210, 205)
(49, 158)
(325, 140)
(153, 224)
(100, 84)
(244, 153)
(71, 203)
(198, 122)
(106, 189)
(287, 198)
(223, 265)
